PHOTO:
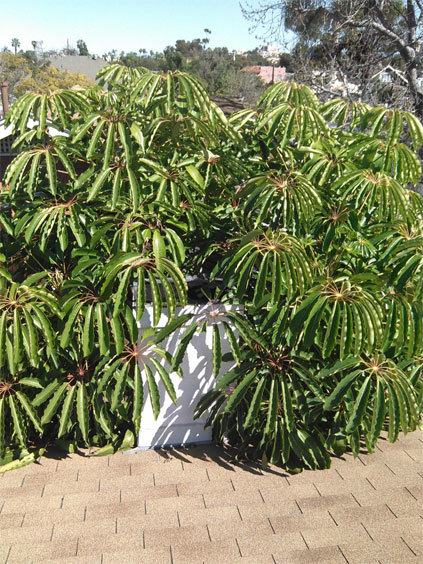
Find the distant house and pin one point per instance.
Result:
(87, 65)
(269, 75)
(270, 52)
(389, 75)
(6, 142)
(7, 153)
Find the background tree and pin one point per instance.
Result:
(16, 44)
(151, 61)
(27, 73)
(111, 55)
(82, 47)
(352, 38)
(13, 69)
(218, 69)
(287, 60)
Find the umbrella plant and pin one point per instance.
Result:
(300, 213)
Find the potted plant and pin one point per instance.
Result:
(295, 214)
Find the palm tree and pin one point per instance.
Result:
(16, 43)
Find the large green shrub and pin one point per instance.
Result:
(298, 212)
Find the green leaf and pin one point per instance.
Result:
(195, 175)
(106, 450)
(102, 415)
(3, 337)
(261, 281)
(156, 298)
(341, 389)
(330, 233)
(18, 422)
(272, 410)
(153, 391)
(159, 247)
(233, 343)
(5, 273)
(141, 297)
(53, 404)
(239, 392)
(169, 294)
(172, 326)
(182, 347)
(51, 172)
(31, 382)
(94, 141)
(331, 331)
(393, 414)
(360, 406)
(82, 411)
(138, 398)
(10, 355)
(347, 332)
(125, 140)
(128, 440)
(303, 312)
(43, 396)
(75, 225)
(20, 463)
(30, 411)
(68, 331)
(255, 403)
(120, 387)
(177, 246)
(2, 426)
(66, 413)
(379, 413)
(102, 329)
(216, 351)
(135, 189)
(308, 449)
(98, 184)
(121, 295)
(287, 405)
(407, 271)
(339, 366)
(88, 332)
(117, 182)
(246, 330)
(312, 324)
(165, 378)
(108, 371)
(131, 325)
(82, 131)
(118, 335)
(17, 338)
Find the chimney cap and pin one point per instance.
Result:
(4, 98)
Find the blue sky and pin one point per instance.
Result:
(125, 25)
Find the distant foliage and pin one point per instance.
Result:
(82, 47)
(297, 213)
(27, 74)
(218, 69)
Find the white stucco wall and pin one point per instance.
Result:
(175, 424)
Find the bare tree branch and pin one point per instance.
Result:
(354, 40)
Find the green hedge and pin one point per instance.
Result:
(299, 212)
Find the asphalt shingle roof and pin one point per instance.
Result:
(198, 506)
